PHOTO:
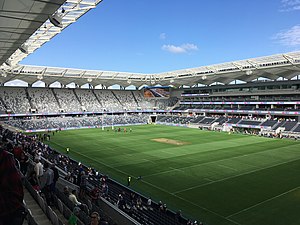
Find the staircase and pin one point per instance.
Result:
(117, 99)
(54, 94)
(98, 100)
(37, 213)
(77, 97)
(29, 99)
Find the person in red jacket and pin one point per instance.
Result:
(12, 211)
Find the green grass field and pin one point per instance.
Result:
(213, 177)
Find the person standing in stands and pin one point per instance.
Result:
(56, 176)
(12, 211)
(49, 179)
(95, 194)
(128, 181)
(39, 170)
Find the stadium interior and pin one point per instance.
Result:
(257, 96)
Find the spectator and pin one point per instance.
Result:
(73, 198)
(56, 176)
(95, 194)
(66, 191)
(12, 211)
(149, 203)
(24, 160)
(73, 218)
(95, 219)
(49, 179)
(38, 168)
(128, 180)
(178, 216)
(83, 184)
(33, 181)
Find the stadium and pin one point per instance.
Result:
(216, 144)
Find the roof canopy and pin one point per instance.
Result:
(26, 25)
(272, 67)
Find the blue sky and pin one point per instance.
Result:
(153, 36)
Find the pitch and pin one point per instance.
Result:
(216, 178)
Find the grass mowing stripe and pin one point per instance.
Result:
(262, 202)
(118, 154)
(212, 162)
(192, 203)
(242, 174)
(106, 165)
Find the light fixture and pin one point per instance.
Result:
(24, 49)
(7, 62)
(204, 77)
(249, 72)
(172, 80)
(40, 77)
(129, 81)
(56, 20)
(3, 73)
(89, 79)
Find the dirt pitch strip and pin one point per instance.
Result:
(170, 141)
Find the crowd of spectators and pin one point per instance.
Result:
(92, 185)
(43, 100)
(54, 100)
(56, 123)
(15, 99)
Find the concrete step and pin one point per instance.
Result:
(60, 216)
(37, 213)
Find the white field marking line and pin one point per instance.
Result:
(262, 202)
(227, 167)
(206, 163)
(150, 161)
(176, 169)
(117, 164)
(210, 180)
(96, 161)
(238, 175)
(192, 203)
(166, 192)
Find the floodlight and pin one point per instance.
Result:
(24, 49)
(249, 72)
(89, 79)
(56, 20)
(7, 62)
(3, 73)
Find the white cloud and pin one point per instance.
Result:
(184, 48)
(289, 37)
(290, 5)
(163, 36)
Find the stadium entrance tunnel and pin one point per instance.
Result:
(153, 118)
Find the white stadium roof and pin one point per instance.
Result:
(26, 25)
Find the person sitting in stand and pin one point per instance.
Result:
(73, 198)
